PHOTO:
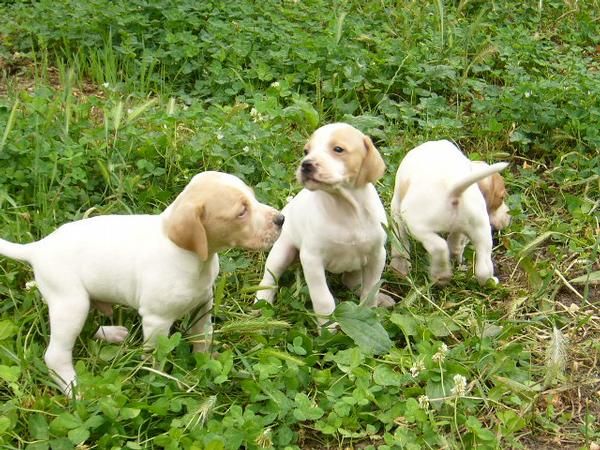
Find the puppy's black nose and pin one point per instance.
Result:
(307, 167)
(279, 219)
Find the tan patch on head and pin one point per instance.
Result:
(213, 214)
(362, 160)
(493, 190)
(184, 225)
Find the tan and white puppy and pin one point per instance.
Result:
(335, 223)
(436, 192)
(162, 265)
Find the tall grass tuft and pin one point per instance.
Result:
(556, 356)
(9, 124)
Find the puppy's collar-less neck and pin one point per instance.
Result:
(352, 201)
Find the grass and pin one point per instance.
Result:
(110, 107)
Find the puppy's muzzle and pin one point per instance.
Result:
(278, 220)
(307, 167)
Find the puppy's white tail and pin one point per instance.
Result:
(476, 175)
(22, 252)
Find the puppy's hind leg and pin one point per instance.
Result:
(482, 240)
(400, 261)
(370, 294)
(110, 333)
(440, 269)
(154, 326)
(352, 279)
(202, 328)
(115, 334)
(456, 244)
(67, 312)
(280, 257)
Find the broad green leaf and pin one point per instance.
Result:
(38, 427)
(61, 444)
(109, 407)
(94, 421)
(303, 112)
(7, 329)
(78, 435)
(591, 278)
(4, 424)
(306, 409)
(438, 326)
(384, 375)
(514, 386)
(361, 325)
(68, 420)
(535, 243)
(407, 323)
(10, 373)
(284, 356)
(478, 430)
(129, 413)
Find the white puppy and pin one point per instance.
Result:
(335, 223)
(162, 265)
(436, 192)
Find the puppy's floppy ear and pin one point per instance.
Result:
(372, 167)
(185, 229)
(493, 190)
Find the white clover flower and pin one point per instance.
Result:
(416, 368)
(527, 94)
(107, 84)
(275, 84)
(220, 136)
(264, 439)
(246, 149)
(256, 116)
(460, 386)
(441, 354)
(423, 402)
(30, 285)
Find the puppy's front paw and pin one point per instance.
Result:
(267, 294)
(385, 300)
(441, 278)
(114, 334)
(488, 281)
(202, 345)
(401, 266)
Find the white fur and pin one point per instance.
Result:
(436, 192)
(124, 259)
(332, 226)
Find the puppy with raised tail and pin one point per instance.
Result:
(439, 190)
(335, 223)
(162, 265)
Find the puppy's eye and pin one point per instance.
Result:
(338, 149)
(305, 151)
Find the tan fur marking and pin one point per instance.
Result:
(373, 167)
(493, 190)
(184, 226)
(363, 162)
(205, 218)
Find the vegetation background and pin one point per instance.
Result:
(110, 107)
